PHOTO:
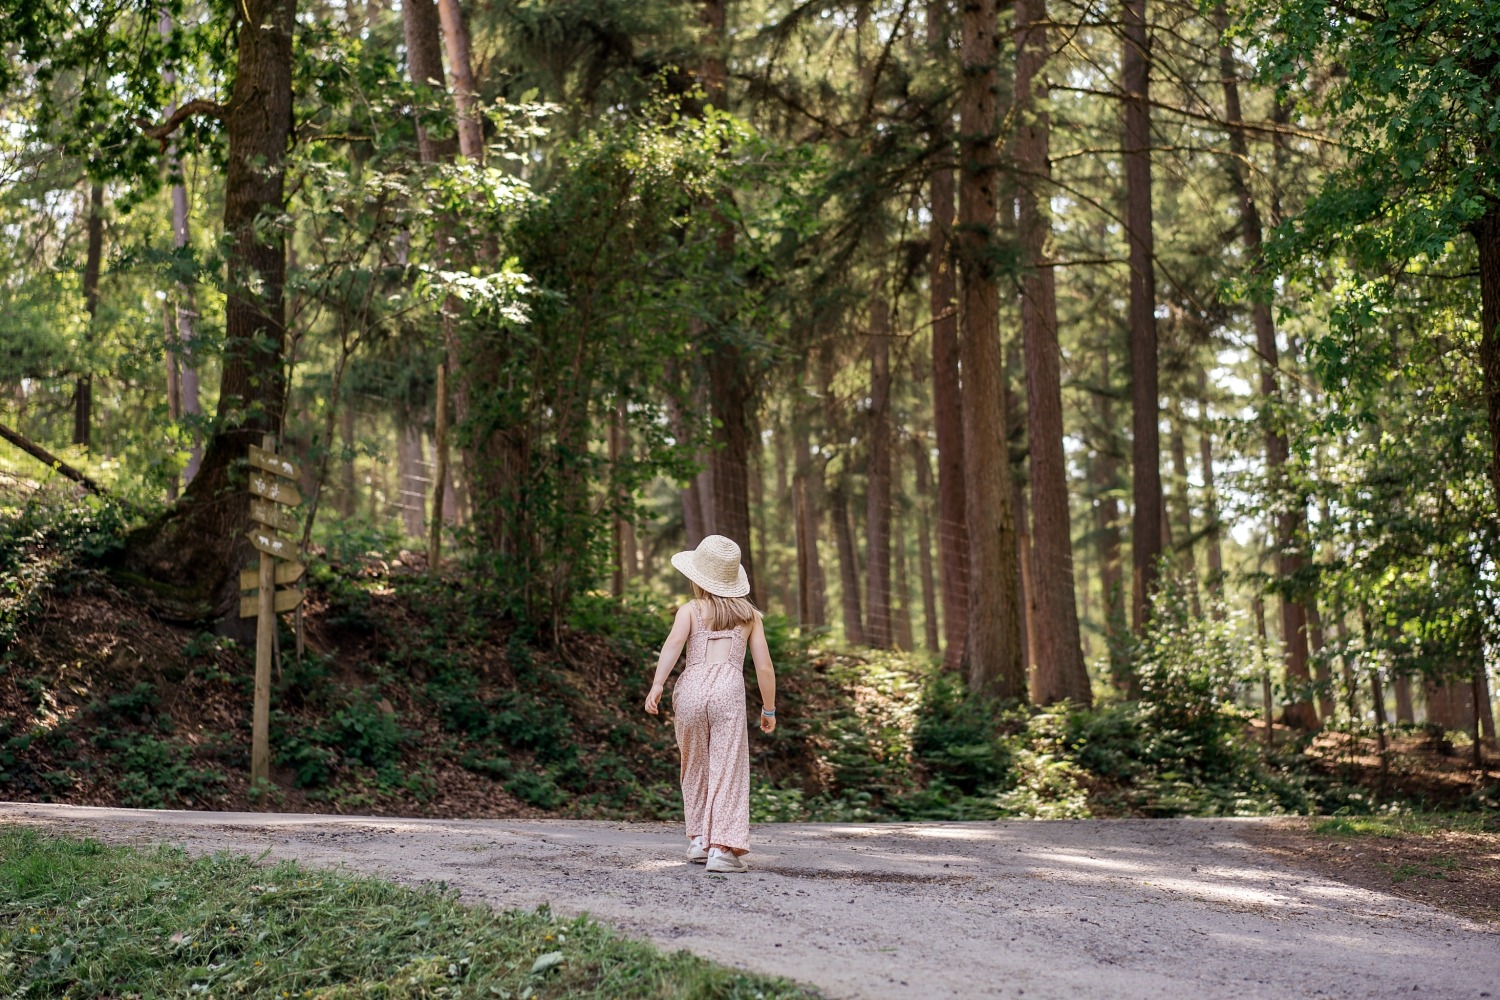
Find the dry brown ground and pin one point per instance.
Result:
(1455, 870)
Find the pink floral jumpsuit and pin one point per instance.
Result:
(708, 703)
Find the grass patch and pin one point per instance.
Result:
(1393, 826)
(82, 919)
(1438, 868)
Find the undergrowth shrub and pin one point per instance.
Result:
(43, 540)
(158, 772)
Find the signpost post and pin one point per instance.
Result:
(273, 488)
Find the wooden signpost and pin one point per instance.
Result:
(272, 489)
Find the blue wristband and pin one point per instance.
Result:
(771, 713)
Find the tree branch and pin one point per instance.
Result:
(197, 108)
(44, 456)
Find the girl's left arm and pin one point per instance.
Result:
(670, 651)
(765, 675)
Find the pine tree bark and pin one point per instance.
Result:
(1346, 662)
(992, 656)
(622, 540)
(180, 344)
(1106, 468)
(947, 396)
(1146, 534)
(83, 387)
(878, 632)
(1322, 666)
(1405, 713)
(901, 631)
(1487, 236)
(930, 631)
(187, 561)
(1058, 667)
(731, 399)
(465, 91)
(1214, 534)
(838, 512)
(1025, 559)
(807, 490)
(1300, 711)
(424, 63)
(349, 488)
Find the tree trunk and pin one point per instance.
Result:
(1486, 707)
(424, 62)
(992, 654)
(1024, 562)
(188, 560)
(1450, 704)
(807, 489)
(731, 398)
(1487, 236)
(692, 514)
(878, 631)
(349, 491)
(180, 346)
(1106, 466)
(441, 495)
(1058, 667)
(411, 493)
(83, 388)
(1146, 541)
(1210, 499)
(174, 384)
(731, 458)
(465, 92)
(901, 633)
(924, 546)
(838, 511)
(1322, 665)
(779, 516)
(1183, 490)
(1351, 689)
(1405, 713)
(1300, 711)
(622, 556)
(947, 397)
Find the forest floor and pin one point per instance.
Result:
(1123, 908)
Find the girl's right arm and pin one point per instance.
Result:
(670, 651)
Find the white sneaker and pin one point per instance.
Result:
(725, 861)
(696, 850)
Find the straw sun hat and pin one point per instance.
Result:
(715, 566)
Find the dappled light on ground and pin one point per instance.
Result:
(1128, 908)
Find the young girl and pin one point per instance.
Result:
(709, 700)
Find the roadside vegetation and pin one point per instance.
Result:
(413, 696)
(81, 919)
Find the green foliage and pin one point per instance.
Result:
(158, 772)
(957, 736)
(81, 919)
(43, 540)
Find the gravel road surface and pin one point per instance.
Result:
(1070, 909)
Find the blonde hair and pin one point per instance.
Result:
(727, 612)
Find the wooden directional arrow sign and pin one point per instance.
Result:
(286, 572)
(274, 488)
(272, 463)
(286, 600)
(272, 516)
(267, 542)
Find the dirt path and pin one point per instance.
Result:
(1125, 908)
